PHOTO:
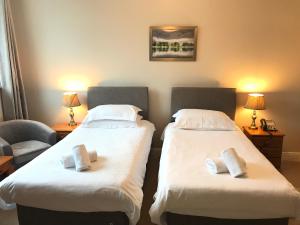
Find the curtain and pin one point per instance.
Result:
(13, 94)
(1, 110)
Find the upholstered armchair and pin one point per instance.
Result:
(25, 139)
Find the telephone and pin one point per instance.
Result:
(268, 125)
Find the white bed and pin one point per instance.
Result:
(187, 188)
(113, 184)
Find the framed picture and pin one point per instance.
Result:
(173, 43)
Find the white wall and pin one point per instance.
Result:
(253, 45)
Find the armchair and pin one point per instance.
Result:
(25, 139)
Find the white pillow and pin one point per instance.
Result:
(112, 112)
(111, 124)
(200, 119)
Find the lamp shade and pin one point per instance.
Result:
(255, 101)
(71, 99)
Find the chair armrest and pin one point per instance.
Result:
(15, 131)
(5, 147)
(43, 133)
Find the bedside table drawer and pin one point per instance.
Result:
(267, 142)
(61, 135)
(63, 129)
(271, 152)
(276, 161)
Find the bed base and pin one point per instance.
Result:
(36, 216)
(176, 219)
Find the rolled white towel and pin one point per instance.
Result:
(68, 161)
(216, 165)
(233, 162)
(81, 158)
(93, 155)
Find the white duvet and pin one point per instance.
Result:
(186, 187)
(113, 184)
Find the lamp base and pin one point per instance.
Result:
(253, 125)
(72, 121)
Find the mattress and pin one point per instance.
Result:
(113, 184)
(186, 187)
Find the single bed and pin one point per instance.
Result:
(109, 193)
(188, 194)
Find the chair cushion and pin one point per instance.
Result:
(28, 150)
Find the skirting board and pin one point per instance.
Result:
(291, 156)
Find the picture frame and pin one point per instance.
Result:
(173, 43)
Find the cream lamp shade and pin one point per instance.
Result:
(255, 101)
(71, 99)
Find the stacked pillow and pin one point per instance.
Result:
(200, 119)
(112, 116)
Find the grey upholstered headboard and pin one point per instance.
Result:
(220, 99)
(137, 96)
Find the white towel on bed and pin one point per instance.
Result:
(216, 165)
(81, 158)
(67, 160)
(93, 155)
(233, 162)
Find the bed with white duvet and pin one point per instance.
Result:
(188, 193)
(113, 183)
(110, 191)
(186, 187)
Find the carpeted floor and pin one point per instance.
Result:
(290, 169)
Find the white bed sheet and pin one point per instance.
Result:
(113, 184)
(186, 187)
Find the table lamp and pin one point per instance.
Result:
(71, 100)
(255, 102)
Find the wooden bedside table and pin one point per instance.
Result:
(6, 166)
(63, 129)
(268, 143)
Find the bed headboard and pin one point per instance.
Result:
(137, 96)
(220, 99)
